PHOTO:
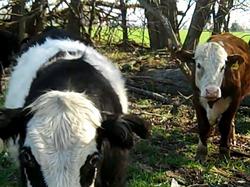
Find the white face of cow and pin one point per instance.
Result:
(210, 60)
(62, 136)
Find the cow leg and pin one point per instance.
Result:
(201, 153)
(232, 135)
(1, 82)
(226, 127)
(204, 131)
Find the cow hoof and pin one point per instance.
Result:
(201, 154)
(224, 153)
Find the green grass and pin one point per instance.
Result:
(170, 153)
(114, 35)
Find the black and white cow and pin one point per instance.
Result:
(67, 106)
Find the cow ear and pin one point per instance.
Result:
(138, 125)
(10, 122)
(235, 59)
(119, 130)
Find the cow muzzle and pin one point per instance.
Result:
(212, 93)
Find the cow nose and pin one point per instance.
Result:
(212, 92)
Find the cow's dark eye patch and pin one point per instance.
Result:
(87, 171)
(26, 157)
(199, 66)
(30, 168)
(94, 160)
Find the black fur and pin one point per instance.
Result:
(9, 46)
(78, 76)
(50, 32)
(114, 137)
(32, 170)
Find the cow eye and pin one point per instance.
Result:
(199, 66)
(222, 68)
(95, 158)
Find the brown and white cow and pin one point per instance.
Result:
(221, 80)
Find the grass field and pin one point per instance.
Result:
(114, 35)
(169, 153)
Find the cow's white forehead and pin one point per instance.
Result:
(210, 54)
(210, 58)
(61, 135)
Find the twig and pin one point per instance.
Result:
(165, 81)
(239, 153)
(149, 94)
(184, 68)
(149, 113)
(185, 97)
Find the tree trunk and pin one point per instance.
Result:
(169, 9)
(227, 19)
(161, 33)
(124, 23)
(73, 26)
(92, 16)
(36, 24)
(21, 27)
(17, 13)
(226, 23)
(157, 37)
(199, 20)
(220, 16)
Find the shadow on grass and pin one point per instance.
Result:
(170, 154)
(156, 161)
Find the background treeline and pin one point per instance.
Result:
(155, 21)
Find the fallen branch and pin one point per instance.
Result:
(238, 153)
(199, 185)
(150, 114)
(165, 81)
(149, 94)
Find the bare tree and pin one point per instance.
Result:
(199, 20)
(169, 9)
(157, 18)
(219, 17)
(74, 19)
(124, 23)
(92, 15)
(36, 23)
(17, 18)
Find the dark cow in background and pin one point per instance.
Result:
(9, 47)
(67, 106)
(221, 81)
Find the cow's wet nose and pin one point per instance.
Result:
(212, 92)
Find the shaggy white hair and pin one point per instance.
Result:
(38, 55)
(61, 134)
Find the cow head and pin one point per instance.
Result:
(211, 61)
(63, 148)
